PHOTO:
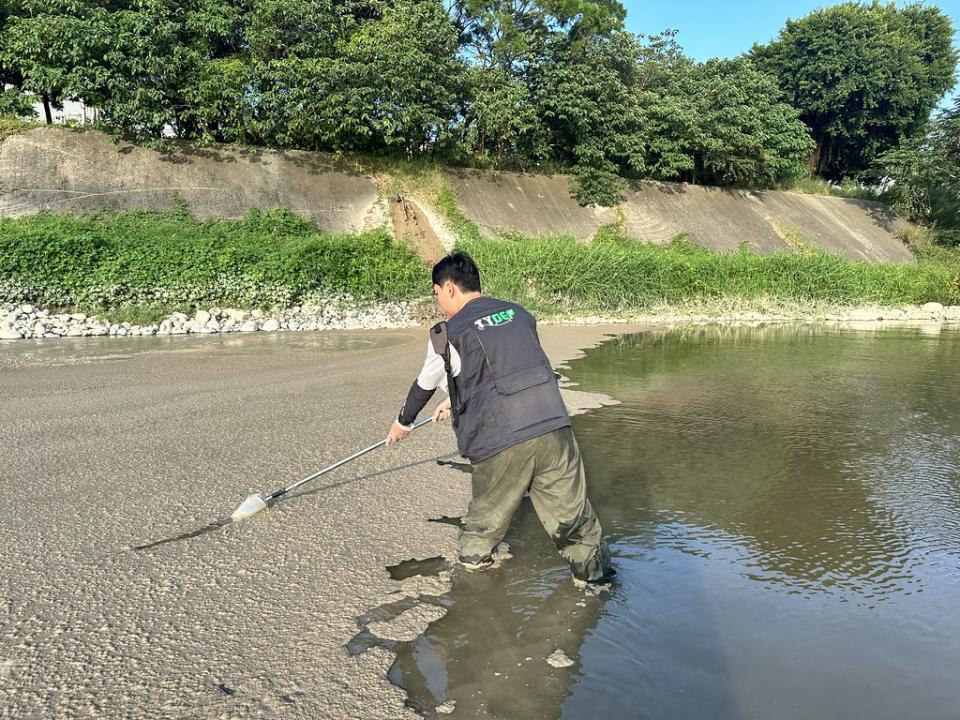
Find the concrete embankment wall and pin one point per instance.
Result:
(715, 218)
(67, 171)
(64, 171)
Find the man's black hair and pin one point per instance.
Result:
(460, 269)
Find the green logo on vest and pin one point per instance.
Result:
(500, 318)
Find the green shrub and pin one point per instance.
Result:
(170, 259)
(11, 124)
(138, 267)
(615, 274)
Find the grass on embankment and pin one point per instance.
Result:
(847, 189)
(10, 125)
(614, 274)
(140, 266)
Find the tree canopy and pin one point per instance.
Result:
(862, 76)
(522, 84)
(924, 172)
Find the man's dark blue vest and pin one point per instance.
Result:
(506, 391)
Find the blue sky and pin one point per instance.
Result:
(708, 28)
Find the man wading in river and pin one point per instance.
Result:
(509, 419)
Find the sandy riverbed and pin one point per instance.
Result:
(110, 446)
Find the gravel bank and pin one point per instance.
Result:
(27, 321)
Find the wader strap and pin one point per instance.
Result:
(441, 346)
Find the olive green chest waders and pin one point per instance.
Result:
(511, 422)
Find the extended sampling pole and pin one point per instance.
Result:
(258, 501)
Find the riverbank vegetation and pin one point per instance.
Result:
(927, 172)
(616, 274)
(536, 85)
(149, 264)
(145, 265)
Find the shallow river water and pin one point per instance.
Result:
(783, 507)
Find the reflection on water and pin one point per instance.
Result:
(784, 510)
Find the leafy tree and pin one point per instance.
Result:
(260, 69)
(586, 95)
(12, 101)
(393, 83)
(164, 56)
(403, 78)
(50, 47)
(723, 123)
(925, 175)
(507, 33)
(863, 77)
(622, 106)
(509, 45)
(508, 83)
(282, 29)
(501, 126)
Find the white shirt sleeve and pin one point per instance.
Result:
(433, 375)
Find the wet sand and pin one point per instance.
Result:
(109, 446)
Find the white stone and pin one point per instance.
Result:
(932, 307)
(26, 308)
(256, 314)
(79, 317)
(271, 325)
(864, 314)
(559, 659)
(75, 332)
(9, 334)
(237, 315)
(202, 317)
(250, 326)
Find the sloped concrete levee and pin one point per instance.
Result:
(858, 229)
(67, 171)
(63, 171)
(715, 218)
(500, 202)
